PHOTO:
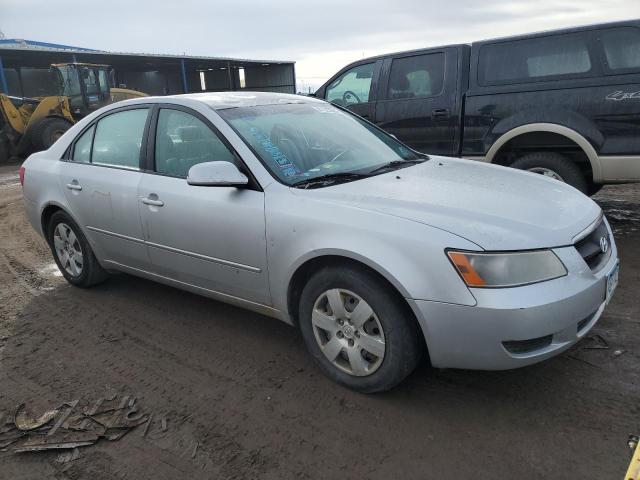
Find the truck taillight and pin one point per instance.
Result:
(22, 170)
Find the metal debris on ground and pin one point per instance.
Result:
(66, 427)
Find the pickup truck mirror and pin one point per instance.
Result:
(216, 174)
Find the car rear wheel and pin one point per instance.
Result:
(357, 330)
(72, 252)
(553, 165)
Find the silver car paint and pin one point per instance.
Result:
(398, 224)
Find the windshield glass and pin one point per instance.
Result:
(302, 141)
(68, 80)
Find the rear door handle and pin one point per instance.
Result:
(152, 201)
(440, 113)
(74, 185)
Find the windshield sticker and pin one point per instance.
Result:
(288, 168)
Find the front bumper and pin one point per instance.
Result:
(514, 327)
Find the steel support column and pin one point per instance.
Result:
(3, 80)
(184, 76)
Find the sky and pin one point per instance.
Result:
(321, 36)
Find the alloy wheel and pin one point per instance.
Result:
(68, 249)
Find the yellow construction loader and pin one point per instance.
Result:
(29, 125)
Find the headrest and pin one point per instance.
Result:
(190, 133)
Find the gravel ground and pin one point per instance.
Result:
(241, 387)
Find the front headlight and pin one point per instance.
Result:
(486, 270)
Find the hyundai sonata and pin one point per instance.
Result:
(302, 211)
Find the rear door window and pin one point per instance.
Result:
(352, 87)
(543, 58)
(416, 76)
(118, 139)
(622, 48)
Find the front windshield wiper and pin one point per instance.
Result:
(392, 165)
(329, 178)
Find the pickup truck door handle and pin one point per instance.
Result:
(74, 185)
(152, 200)
(440, 113)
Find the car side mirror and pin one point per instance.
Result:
(216, 174)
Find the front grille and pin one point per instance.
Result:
(527, 346)
(590, 248)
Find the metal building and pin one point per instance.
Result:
(24, 70)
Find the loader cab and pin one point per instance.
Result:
(86, 85)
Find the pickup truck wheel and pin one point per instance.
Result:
(72, 252)
(553, 165)
(357, 330)
(594, 188)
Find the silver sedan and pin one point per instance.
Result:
(297, 209)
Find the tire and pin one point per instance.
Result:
(391, 321)
(4, 150)
(45, 133)
(565, 170)
(594, 188)
(84, 273)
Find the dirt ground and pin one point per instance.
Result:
(242, 388)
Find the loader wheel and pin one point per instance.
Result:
(46, 132)
(4, 151)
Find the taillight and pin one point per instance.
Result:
(22, 170)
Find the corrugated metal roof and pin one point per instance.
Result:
(32, 45)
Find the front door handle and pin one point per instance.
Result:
(153, 201)
(441, 113)
(74, 185)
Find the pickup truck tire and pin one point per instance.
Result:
(345, 315)
(553, 165)
(45, 133)
(594, 188)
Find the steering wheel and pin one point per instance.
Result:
(349, 93)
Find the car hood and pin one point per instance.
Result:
(497, 208)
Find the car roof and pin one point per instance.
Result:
(235, 99)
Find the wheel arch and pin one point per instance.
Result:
(45, 217)
(507, 138)
(308, 266)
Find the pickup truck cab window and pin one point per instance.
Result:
(416, 76)
(352, 86)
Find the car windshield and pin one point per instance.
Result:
(303, 141)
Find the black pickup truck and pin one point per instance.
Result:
(562, 103)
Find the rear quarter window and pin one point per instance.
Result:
(535, 59)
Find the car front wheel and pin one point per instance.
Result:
(357, 329)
